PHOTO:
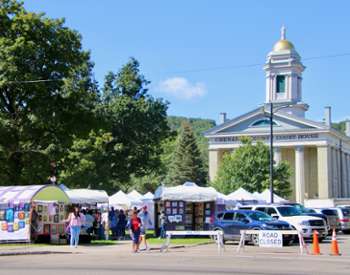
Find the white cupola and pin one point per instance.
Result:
(284, 70)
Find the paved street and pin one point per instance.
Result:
(192, 260)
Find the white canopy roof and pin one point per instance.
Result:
(135, 198)
(119, 200)
(189, 191)
(18, 193)
(87, 196)
(148, 196)
(242, 195)
(224, 199)
(265, 195)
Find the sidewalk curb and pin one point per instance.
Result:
(32, 253)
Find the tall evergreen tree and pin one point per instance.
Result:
(187, 163)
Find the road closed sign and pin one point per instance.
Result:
(270, 238)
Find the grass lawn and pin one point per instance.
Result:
(181, 241)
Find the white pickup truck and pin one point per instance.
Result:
(303, 223)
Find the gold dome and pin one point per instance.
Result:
(282, 45)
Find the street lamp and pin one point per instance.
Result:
(271, 112)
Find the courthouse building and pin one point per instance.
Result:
(319, 155)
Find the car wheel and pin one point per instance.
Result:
(254, 238)
(223, 234)
(288, 242)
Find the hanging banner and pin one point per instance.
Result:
(15, 222)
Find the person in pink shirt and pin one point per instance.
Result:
(75, 221)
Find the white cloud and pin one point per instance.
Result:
(181, 88)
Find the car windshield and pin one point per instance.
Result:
(259, 216)
(303, 209)
(346, 211)
(287, 211)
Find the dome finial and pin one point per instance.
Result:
(283, 32)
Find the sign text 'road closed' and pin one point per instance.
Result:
(270, 238)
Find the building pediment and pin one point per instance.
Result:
(257, 121)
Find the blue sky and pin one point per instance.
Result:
(180, 43)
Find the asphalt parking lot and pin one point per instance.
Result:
(203, 259)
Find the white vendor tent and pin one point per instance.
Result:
(87, 196)
(189, 192)
(225, 200)
(17, 204)
(241, 195)
(265, 196)
(119, 201)
(135, 198)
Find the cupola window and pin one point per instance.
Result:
(281, 84)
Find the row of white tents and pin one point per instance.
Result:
(121, 200)
(189, 191)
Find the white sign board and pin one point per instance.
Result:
(270, 238)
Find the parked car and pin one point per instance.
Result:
(332, 218)
(309, 212)
(231, 222)
(304, 223)
(344, 218)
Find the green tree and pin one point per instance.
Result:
(47, 95)
(136, 125)
(248, 167)
(186, 161)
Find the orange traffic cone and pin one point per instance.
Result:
(334, 245)
(315, 244)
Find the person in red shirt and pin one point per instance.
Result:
(135, 227)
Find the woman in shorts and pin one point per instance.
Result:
(135, 227)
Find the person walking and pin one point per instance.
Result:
(134, 225)
(146, 223)
(121, 224)
(113, 223)
(162, 221)
(75, 221)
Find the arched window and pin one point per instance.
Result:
(262, 123)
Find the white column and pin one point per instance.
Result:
(324, 172)
(213, 164)
(277, 155)
(299, 174)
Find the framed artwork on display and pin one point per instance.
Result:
(40, 208)
(207, 205)
(40, 218)
(56, 219)
(61, 208)
(174, 204)
(57, 209)
(61, 229)
(53, 229)
(181, 211)
(44, 218)
(207, 212)
(181, 204)
(167, 204)
(2, 215)
(46, 229)
(174, 211)
(168, 211)
(45, 209)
